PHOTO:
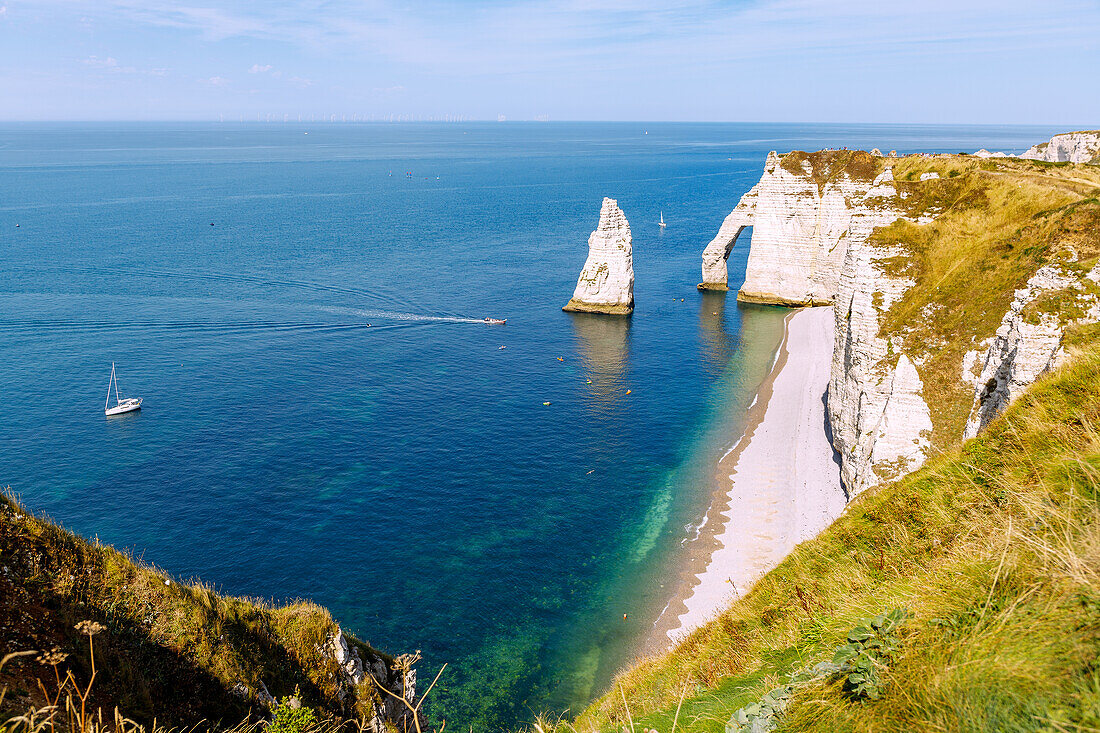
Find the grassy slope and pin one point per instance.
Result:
(1018, 607)
(994, 548)
(998, 221)
(171, 651)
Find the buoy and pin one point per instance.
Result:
(546, 403)
(681, 300)
(624, 615)
(589, 381)
(629, 391)
(560, 359)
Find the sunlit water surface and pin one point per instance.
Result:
(324, 415)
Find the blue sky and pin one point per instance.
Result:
(1010, 61)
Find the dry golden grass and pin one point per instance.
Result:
(997, 223)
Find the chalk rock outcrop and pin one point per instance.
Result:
(606, 284)
(1069, 147)
(804, 220)
(358, 680)
(1029, 341)
(880, 422)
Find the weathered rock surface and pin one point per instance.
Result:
(1072, 147)
(803, 224)
(1029, 341)
(376, 687)
(880, 422)
(879, 416)
(606, 284)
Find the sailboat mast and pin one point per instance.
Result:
(109, 385)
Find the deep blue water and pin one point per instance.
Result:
(405, 475)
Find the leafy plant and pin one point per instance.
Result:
(290, 716)
(871, 645)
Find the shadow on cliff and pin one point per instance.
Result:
(172, 652)
(829, 435)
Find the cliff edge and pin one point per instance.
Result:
(1069, 147)
(805, 212)
(172, 652)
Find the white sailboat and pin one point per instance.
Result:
(661, 223)
(128, 404)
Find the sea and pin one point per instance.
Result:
(327, 417)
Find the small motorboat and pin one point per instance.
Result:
(661, 223)
(495, 321)
(122, 405)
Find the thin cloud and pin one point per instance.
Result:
(520, 37)
(257, 69)
(110, 64)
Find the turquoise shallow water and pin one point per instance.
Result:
(406, 475)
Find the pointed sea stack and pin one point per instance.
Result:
(606, 284)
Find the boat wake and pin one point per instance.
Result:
(172, 327)
(398, 316)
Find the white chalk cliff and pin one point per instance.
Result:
(801, 230)
(1069, 147)
(1028, 343)
(880, 421)
(606, 284)
(811, 245)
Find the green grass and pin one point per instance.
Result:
(994, 548)
(172, 650)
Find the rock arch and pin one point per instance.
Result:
(715, 274)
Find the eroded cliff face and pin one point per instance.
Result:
(1029, 342)
(805, 212)
(606, 284)
(376, 688)
(812, 215)
(935, 249)
(1069, 147)
(881, 424)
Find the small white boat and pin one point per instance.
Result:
(661, 223)
(495, 321)
(122, 405)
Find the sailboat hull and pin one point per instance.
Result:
(123, 407)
